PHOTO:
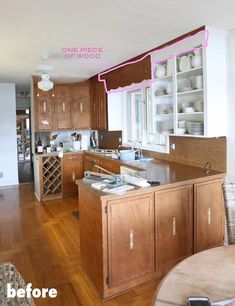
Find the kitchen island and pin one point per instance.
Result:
(130, 239)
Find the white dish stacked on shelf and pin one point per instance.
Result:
(195, 127)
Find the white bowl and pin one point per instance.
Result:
(189, 109)
(181, 131)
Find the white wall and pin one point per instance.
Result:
(115, 111)
(8, 147)
(231, 108)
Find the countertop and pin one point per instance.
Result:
(169, 174)
(56, 153)
(164, 171)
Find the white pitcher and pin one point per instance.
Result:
(197, 58)
(185, 62)
(160, 70)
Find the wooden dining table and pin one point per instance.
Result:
(210, 273)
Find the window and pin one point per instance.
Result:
(139, 131)
(135, 110)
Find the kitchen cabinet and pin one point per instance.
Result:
(80, 116)
(66, 107)
(87, 163)
(72, 169)
(98, 105)
(43, 110)
(110, 165)
(62, 106)
(209, 215)
(173, 219)
(131, 246)
(129, 239)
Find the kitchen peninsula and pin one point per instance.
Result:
(128, 240)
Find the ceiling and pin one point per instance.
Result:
(123, 29)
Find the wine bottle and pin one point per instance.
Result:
(39, 146)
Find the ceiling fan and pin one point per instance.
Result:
(45, 70)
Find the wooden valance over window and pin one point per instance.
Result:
(128, 74)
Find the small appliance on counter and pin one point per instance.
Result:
(94, 139)
(76, 141)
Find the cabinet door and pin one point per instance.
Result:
(209, 215)
(173, 219)
(109, 165)
(62, 106)
(72, 171)
(88, 166)
(43, 111)
(130, 238)
(102, 102)
(98, 105)
(94, 104)
(81, 105)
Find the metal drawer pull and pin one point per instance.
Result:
(209, 216)
(73, 176)
(131, 240)
(63, 107)
(81, 107)
(173, 226)
(44, 106)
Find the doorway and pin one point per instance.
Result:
(23, 130)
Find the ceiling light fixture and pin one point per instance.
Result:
(45, 84)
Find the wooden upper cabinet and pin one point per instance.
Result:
(130, 239)
(80, 115)
(94, 104)
(103, 115)
(98, 105)
(63, 106)
(173, 219)
(43, 110)
(209, 215)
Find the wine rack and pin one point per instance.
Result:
(52, 178)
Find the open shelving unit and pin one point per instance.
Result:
(177, 101)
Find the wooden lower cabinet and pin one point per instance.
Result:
(110, 165)
(72, 170)
(174, 230)
(209, 215)
(130, 239)
(137, 237)
(87, 163)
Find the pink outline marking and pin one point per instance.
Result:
(148, 82)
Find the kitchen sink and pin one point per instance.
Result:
(143, 158)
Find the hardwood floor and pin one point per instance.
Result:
(42, 241)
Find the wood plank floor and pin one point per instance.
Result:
(42, 241)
